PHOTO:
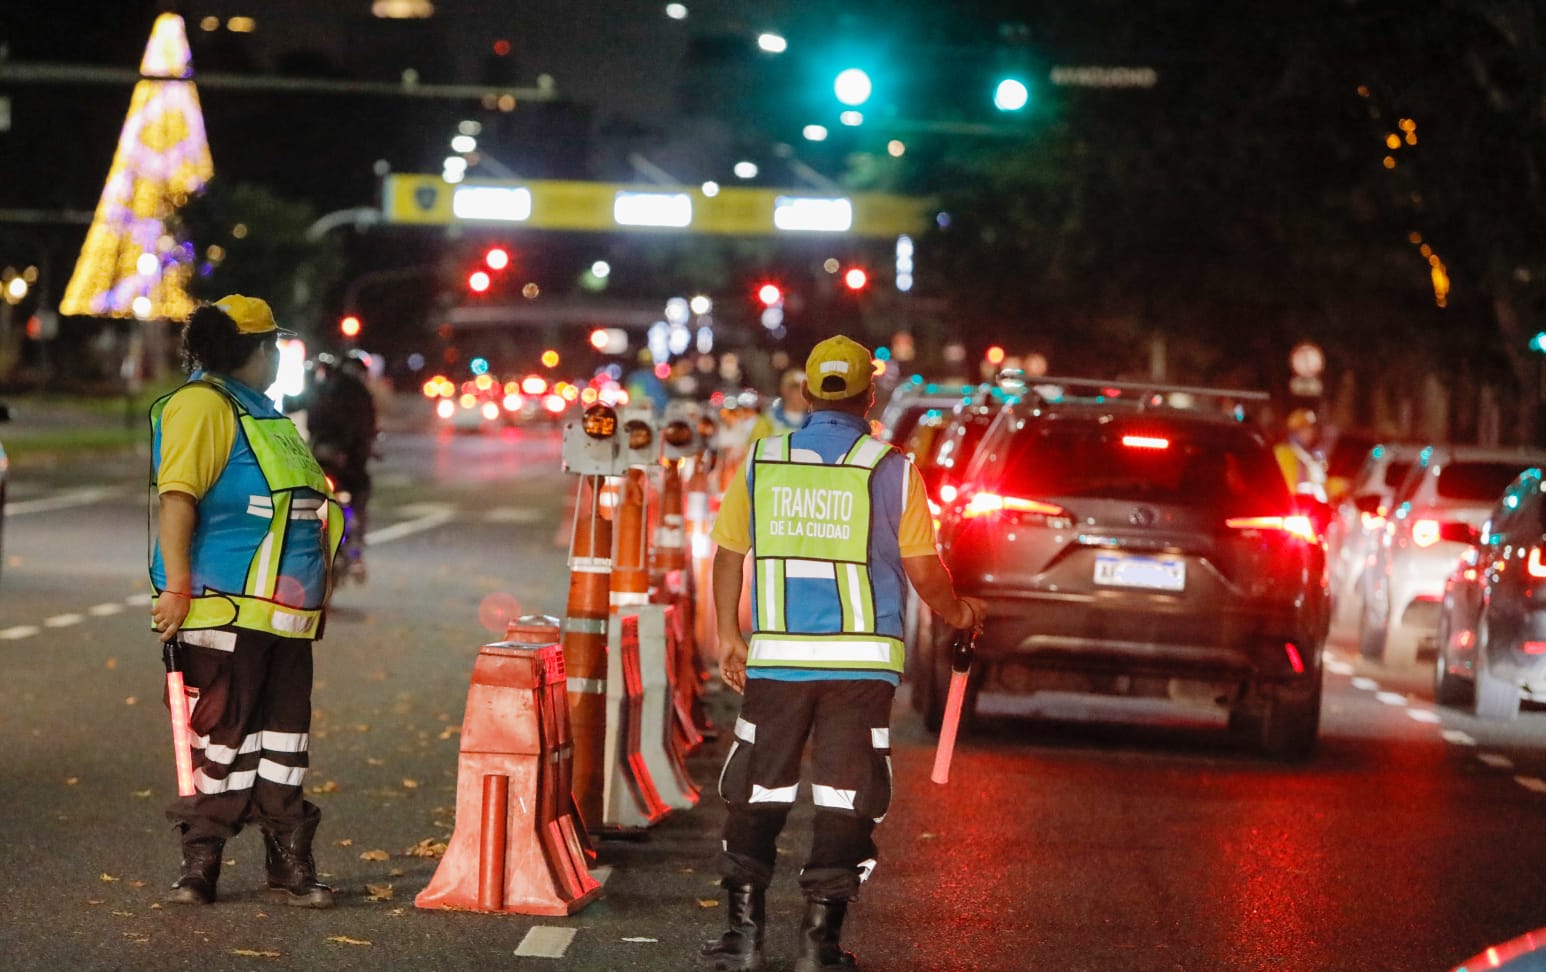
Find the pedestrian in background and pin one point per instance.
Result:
(836, 522)
(240, 569)
(787, 413)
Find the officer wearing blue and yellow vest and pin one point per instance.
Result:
(245, 542)
(836, 522)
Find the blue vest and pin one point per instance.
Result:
(828, 580)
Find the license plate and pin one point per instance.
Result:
(1151, 573)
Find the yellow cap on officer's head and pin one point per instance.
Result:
(838, 367)
(251, 314)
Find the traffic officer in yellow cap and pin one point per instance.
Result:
(836, 523)
(240, 568)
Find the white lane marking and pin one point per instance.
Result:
(1531, 783)
(409, 527)
(62, 620)
(20, 631)
(84, 496)
(1496, 760)
(1458, 738)
(1338, 667)
(641, 940)
(103, 610)
(425, 508)
(138, 600)
(1391, 698)
(513, 514)
(393, 480)
(546, 941)
(1367, 684)
(1423, 715)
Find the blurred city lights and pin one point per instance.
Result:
(769, 294)
(349, 326)
(745, 170)
(550, 358)
(895, 148)
(815, 133)
(478, 281)
(478, 366)
(676, 11)
(601, 269)
(851, 118)
(711, 188)
(497, 258)
(772, 43)
(994, 355)
(464, 144)
(700, 304)
(855, 278)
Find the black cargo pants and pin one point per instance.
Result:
(847, 724)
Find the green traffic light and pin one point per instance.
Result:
(1011, 95)
(1538, 343)
(852, 87)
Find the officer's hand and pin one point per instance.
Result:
(168, 615)
(732, 662)
(976, 612)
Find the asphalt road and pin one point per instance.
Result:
(1073, 836)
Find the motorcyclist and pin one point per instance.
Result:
(342, 421)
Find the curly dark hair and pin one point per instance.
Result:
(211, 341)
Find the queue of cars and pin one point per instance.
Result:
(1134, 540)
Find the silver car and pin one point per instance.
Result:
(1434, 519)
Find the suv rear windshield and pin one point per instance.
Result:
(1229, 475)
(1478, 481)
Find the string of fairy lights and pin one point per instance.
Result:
(1403, 139)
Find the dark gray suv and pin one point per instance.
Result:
(1128, 546)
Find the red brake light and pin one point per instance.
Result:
(1145, 442)
(987, 504)
(1425, 533)
(1373, 521)
(1534, 564)
(1294, 525)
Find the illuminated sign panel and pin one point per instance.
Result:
(667, 209)
(813, 214)
(506, 204)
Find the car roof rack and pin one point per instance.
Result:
(1141, 395)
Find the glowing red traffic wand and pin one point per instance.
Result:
(177, 701)
(961, 649)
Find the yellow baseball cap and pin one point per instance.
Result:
(838, 367)
(251, 314)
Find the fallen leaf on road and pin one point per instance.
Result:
(641, 939)
(708, 903)
(373, 761)
(93, 901)
(379, 892)
(138, 938)
(410, 784)
(346, 940)
(136, 884)
(346, 842)
(374, 855)
(450, 731)
(254, 953)
(142, 794)
(688, 870)
(107, 877)
(396, 872)
(398, 912)
(362, 727)
(428, 847)
(330, 786)
(112, 663)
(123, 914)
(71, 780)
(131, 700)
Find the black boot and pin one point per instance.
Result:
(819, 933)
(200, 870)
(740, 948)
(292, 873)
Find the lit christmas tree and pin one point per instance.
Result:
(131, 265)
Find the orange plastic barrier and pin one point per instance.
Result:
(515, 848)
(660, 733)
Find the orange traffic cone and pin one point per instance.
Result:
(515, 848)
(585, 646)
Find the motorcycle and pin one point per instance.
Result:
(349, 564)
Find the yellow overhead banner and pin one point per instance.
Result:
(610, 207)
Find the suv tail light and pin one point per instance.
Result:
(1145, 442)
(1426, 532)
(1373, 521)
(992, 504)
(1295, 525)
(1534, 565)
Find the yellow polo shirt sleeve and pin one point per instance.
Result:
(915, 534)
(198, 430)
(733, 527)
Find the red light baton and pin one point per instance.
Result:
(961, 649)
(177, 701)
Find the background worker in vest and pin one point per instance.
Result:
(836, 522)
(240, 570)
(787, 413)
(1299, 455)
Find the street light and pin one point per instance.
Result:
(772, 43)
(1011, 95)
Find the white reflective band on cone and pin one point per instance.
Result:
(586, 686)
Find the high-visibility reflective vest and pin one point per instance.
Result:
(267, 530)
(1303, 470)
(811, 543)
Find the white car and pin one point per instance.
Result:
(1433, 520)
(1359, 522)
